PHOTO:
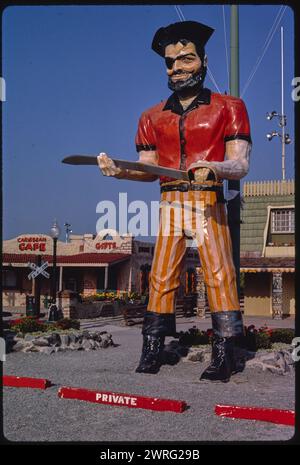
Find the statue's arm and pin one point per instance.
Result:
(108, 167)
(235, 166)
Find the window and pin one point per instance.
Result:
(9, 279)
(283, 221)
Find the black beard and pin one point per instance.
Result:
(194, 81)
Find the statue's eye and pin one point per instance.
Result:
(186, 59)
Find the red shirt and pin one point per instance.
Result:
(182, 137)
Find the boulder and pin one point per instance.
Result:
(18, 346)
(41, 342)
(106, 340)
(47, 350)
(86, 344)
(64, 339)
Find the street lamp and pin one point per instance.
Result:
(68, 231)
(53, 311)
(285, 138)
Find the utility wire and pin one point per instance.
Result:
(182, 18)
(179, 12)
(264, 50)
(210, 74)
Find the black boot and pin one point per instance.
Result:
(227, 326)
(155, 327)
(221, 366)
(150, 361)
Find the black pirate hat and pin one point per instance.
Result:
(191, 30)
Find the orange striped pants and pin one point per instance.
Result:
(196, 215)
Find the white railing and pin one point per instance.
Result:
(259, 188)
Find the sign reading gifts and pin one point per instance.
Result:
(107, 240)
(32, 243)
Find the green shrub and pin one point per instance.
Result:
(262, 341)
(285, 335)
(194, 337)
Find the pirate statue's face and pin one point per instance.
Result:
(184, 66)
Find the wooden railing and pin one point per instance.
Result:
(259, 188)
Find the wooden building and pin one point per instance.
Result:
(268, 248)
(87, 264)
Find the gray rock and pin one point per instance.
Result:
(64, 339)
(73, 337)
(47, 350)
(60, 349)
(18, 346)
(29, 337)
(41, 342)
(196, 356)
(85, 334)
(30, 348)
(86, 344)
(54, 339)
(106, 342)
(94, 336)
(277, 362)
(79, 337)
(93, 344)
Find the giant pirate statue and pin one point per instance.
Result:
(210, 132)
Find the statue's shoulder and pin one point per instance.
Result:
(226, 100)
(154, 109)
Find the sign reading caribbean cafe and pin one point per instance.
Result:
(32, 243)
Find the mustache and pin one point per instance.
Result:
(176, 73)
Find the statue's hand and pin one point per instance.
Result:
(107, 166)
(201, 174)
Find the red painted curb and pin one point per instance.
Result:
(281, 417)
(19, 381)
(122, 400)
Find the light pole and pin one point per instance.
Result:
(68, 231)
(53, 311)
(234, 205)
(285, 138)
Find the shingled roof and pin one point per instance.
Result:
(84, 258)
(257, 197)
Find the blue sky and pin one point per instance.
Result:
(77, 80)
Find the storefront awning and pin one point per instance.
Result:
(83, 259)
(267, 265)
(267, 270)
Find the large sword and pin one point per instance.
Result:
(132, 165)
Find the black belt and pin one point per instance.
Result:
(195, 187)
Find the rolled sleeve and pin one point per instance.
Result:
(145, 137)
(237, 125)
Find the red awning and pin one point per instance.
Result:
(79, 259)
